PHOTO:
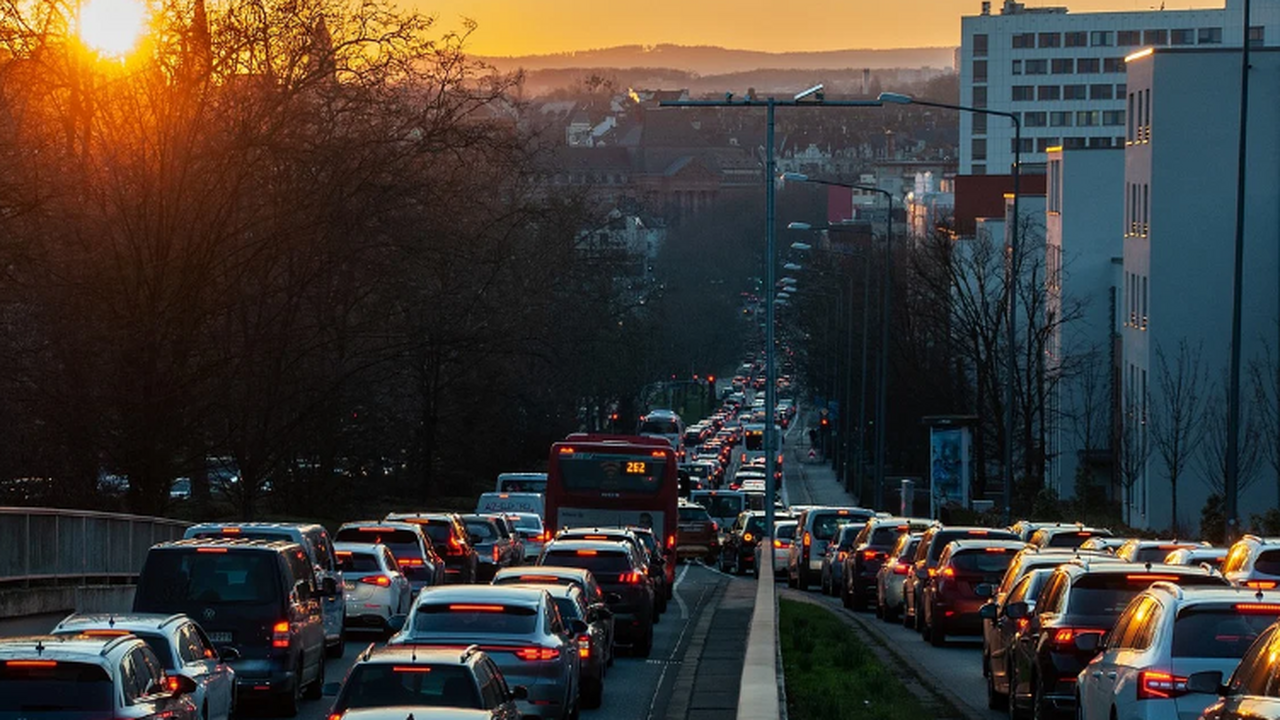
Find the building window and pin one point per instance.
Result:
(1112, 117)
(1088, 65)
(980, 71)
(1125, 38)
(1257, 34)
(1063, 66)
(979, 124)
(1120, 88)
(980, 96)
(1055, 186)
(1100, 38)
(1049, 92)
(1023, 93)
(979, 169)
(1182, 37)
(1039, 66)
(1126, 222)
(1088, 118)
(1060, 119)
(1074, 92)
(1129, 136)
(1049, 40)
(1027, 145)
(1113, 65)
(1043, 144)
(1155, 37)
(1146, 132)
(1100, 92)
(978, 147)
(1146, 206)
(1076, 39)
(1024, 40)
(1017, 67)
(1099, 142)
(1209, 36)
(1035, 119)
(1144, 316)
(1133, 209)
(979, 45)
(1071, 143)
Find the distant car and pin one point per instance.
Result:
(623, 578)
(1152, 551)
(817, 527)
(409, 544)
(417, 682)
(1253, 562)
(377, 589)
(180, 646)
(77, 676)
(451, 540)
(951, 603)
(740, 543)
(870, 550)
(831, 576)
(784, 532)
(697, 535)
(529, 525)
(1213, 556)
(494, 547)
(892, 574)
(932, 543)
(1065, 536)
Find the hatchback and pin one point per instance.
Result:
(412, 549)
(529, 525)
(831, 576)
(1253, 562)
(870, 550)
(414, 682)
(1000, 631)
(951, 599)
(377, 589)
(622, 577)
(645, 549)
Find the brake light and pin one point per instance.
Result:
(335, 716)
(1064, 638)
(231, 531)
(997, 550)
(584, 646)
(1259, 608)
(595, 537)
(410, 669)
(671, 541)
(467, 607)
(747, 537)
(778, 544)
(1160, 685)
(807, 539)
(280, 634)
(948, 572)
(538, 653)
(869, 554)
(1261, 584)
(902, 568)
(106, 633)
(455, 546)
(587, 553)
(343, 553)
(171, 683)
(630, 578)
(933, 572)
(715, 526)
(566, 450)
(1148, 577)
(410, 562)
(211, 550)
(379, 580)
(31, 663)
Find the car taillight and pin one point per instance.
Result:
(948, 572)
(496, 553)
(901, 568)
(537, 653)
(410, 562)
(280, 634)
(869, 554)
(671, 541)
(715, 526)
(1064, 639)
(455, 547)
(584, 646)
(379, 580)
(630, 578)
(335, 716)
(748, 537)
(841, 556)
(807, 539)
(1261, 584)
(1160, 685)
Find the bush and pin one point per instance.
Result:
(1213, 521)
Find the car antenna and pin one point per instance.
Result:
(111, 621)
(1259, 595)
(39, 647)
(1148, 566)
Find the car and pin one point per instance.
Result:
(817, 527)
(658, 564)
(595, 644)
(723, 506)
(951, 602)
(79, 676)
(622, 576)
(870, 550)
(1253, 562)
(521, 629)
(409, 544)
(507, 524)
(580, 578)
(1152, 551)
(739, 551)
(1251, 693)
(831, 576)
(1081, 598)
(532, 533)
(260, 597)
(1065, 536)
(934, 540)
(377, 588)
(1214, 556)
(697, 535)
(892, 574)
(315, 540)
(1166, 633)
(493, 544)
(1000, 630)
(415, 681)
(1104, 544)
(1024, 529)
(784, 532)
(180, 646)
(654, 562)
(449, 535)
(511, 502)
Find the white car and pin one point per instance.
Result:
(784, 532)
(376, 590)
(532, 532)
(1164, 635)
(179, 644)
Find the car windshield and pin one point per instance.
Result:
(357, 562)
(475, 618)
(376, 685)
(528, 522)
(1217, 633)
(601, 563)
(183, 576)
(54, 687)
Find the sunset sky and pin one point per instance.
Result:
(520, 27)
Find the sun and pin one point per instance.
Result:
(112, 27)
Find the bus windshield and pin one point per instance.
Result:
(612, 472)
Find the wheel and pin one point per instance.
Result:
(315, 690)
(645, 646)
(995, 700)
(287, 704)
(937, 636)
(593, 694)
(1015, 712)
(337, 649)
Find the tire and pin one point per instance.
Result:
(315, 690)
(937, 636)
(645, 646)
(995, 700)
(593, 694)
(337, 649)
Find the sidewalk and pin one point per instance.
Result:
(709, 682)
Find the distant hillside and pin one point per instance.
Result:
(709, 60)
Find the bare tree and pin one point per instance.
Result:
(1177, 415)
(1264, 373)
(1132, 446)
(1213, 452)
(1087, 409)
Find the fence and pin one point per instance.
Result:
(49, 546)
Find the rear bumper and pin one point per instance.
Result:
(263, 677)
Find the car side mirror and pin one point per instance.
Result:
(1207, 682)
(329, 587)
(985, 590)
(520, 692)
(577, 627)
(395, 623)
(228, 653)
(302, 589)
(1088, 642)
(987, 611)
(1017, 610)
(331, 689)
(178, 684)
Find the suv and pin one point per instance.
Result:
(315, 540)
(407, 542)
(1167, 631)
(180, 646)
(491, 538)
(815, 528)
(1137, 550)
(83, 676)
(645, 547)
(697, 535)
(1253, 562)
(447, 533)
(951, 602)
(622, 576)
(1251, 693)
(1080, 599)
(870, 550)
(1065, 536)
(260, 597)
(398, 677)
(924, 565)
(739, 551)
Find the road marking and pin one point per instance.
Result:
(675, 591)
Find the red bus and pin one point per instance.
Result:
(614, 481)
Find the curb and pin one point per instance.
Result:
(682, 690)
(760, 697)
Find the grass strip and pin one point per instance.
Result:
(831, 675)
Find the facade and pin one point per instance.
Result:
(1178, 229)
(1064, 73)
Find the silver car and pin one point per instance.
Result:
(394, 683)
(529, 525)
(519, 627)
(376, 589)
(892, 575)
(784, 532)
(179, 644)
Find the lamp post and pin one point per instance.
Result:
(812, 97)
(1011, 293)
(882, 389)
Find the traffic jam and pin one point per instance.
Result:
(519, 609)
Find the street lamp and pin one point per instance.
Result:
(882, 390)
(801, 246)
(1011, 294)
(792, 267)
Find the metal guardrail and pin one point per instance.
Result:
(52, 545)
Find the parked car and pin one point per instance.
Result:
(892, 575)
(951, 602)
(180, 646)
(377, 589)
(870, 551)
(409, 545)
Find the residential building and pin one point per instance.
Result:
(1064, 73)
(1178, 228)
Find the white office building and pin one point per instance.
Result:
(1178, 227)
(1064, 73)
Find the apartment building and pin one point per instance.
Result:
(1064, 73)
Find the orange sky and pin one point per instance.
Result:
(519, 27)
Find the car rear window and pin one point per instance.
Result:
(403, 543)
(825, 525)
(722, 505)
(569, 609)
(475, 619)
(1217, 633)
(1069, 539)
(438, 530)
(54, 687)
(1109, 593)
(786, 532)
(601, 563)
(482, 530)
(755, 524)
(981, 561)
(884, 536)
(946, 537)
(186, 575)
(357, 562)
(691, 514)
(1268, 563)
(376, 685)
(1154, 554)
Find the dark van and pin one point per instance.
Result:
(258, 597)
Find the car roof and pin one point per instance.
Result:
(65, 648)
(120, 621)
(417, 712)
(301, 527)
(1090, 565)
(1198, 594)
(605, 545)
(357, 547)
(556, 571)
(417, 654)
(411, 517)
(527, 595)
(230, 543)
(555, 591)
(968, 544)
(392, 524)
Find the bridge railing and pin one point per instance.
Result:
(59, 546)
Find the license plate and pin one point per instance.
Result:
(348, 586)
(220, 637)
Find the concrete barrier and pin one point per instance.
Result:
(23, 602)
(759, 697)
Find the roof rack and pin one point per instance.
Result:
(1169, 587)
(111, 645)
(368, 652)
(468, 652)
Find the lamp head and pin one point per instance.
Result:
(794, 177)
(896, 98)
(792, 267)
(799, 226)
(802, 247)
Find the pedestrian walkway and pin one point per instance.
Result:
(710, 677)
